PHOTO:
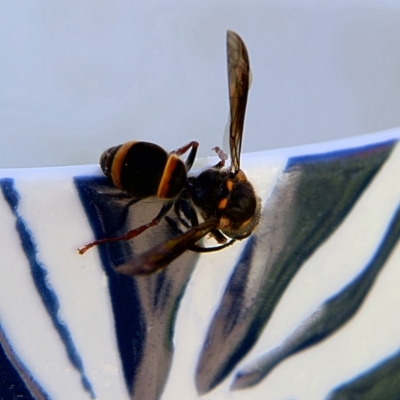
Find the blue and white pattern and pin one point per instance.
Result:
(304, 309)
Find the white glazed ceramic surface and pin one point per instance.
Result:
(306, 308)
(73, 328)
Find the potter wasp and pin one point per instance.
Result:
(223, 197)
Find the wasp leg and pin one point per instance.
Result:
(183, 212)
(222, 156)
(193, 216)
(201, 249)
(124, 215)
(192, 155)
(134, 232)
(218, 236)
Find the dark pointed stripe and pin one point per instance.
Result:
(16, 381)
(309, 202)
(330, 317)
(364, 152)
(379, 383)
(41, 281)
(107, 217)
(144, 308)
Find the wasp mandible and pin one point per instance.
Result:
(223, 197)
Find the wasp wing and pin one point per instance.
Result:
(160, 256)
(239, 76)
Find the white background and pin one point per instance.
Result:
(77, 77)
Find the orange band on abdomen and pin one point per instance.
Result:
(163, 188)
(118, 163)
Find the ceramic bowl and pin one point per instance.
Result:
(306, 307)
(311, 295)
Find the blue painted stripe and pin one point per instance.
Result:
(308, 203)
(337, 155)
(105, 213)
(380, 382)
(16, 381)
(43, 286)
(328, 317)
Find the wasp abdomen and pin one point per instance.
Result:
(144, 169)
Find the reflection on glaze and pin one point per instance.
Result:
(309, 202)
(328, 318)
(145, 307)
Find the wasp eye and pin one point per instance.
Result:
(242, 203)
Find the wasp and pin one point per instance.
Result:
(223, 197)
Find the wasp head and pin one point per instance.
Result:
(231, 198)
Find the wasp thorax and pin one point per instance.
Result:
(208, 192)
